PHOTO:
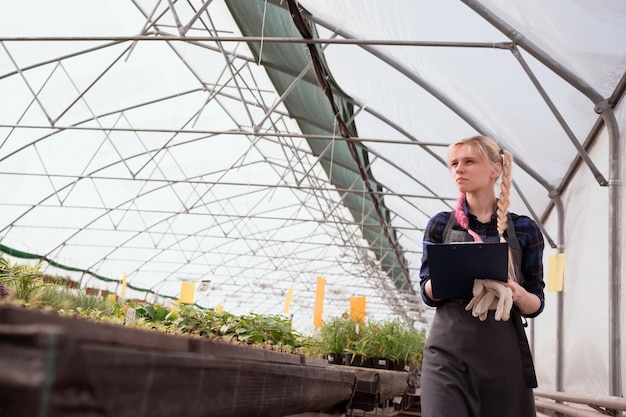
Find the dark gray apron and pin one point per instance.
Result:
(476, 368)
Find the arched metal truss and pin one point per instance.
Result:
(191, 140)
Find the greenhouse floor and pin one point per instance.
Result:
(57, 366)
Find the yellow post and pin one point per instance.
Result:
(124, 286)
(357, 309)
(219, 308)
(187, 290)
(288, 301)
(319, 302)
(556, 272)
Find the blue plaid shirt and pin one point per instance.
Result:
(528, 234)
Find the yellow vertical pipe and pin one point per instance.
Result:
(288, 301)
(124, 286)
(357, 309)
(319, 302)
(556, 272)
(187, 290)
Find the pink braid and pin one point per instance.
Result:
(462, 219)
(459, 214)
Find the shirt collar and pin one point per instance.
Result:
(470, 215)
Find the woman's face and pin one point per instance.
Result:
(470, 171)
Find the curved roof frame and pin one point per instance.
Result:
(604, 108)
(92, 174)
(273, 125)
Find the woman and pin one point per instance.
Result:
(481, 367)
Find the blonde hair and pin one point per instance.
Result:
(492, 154)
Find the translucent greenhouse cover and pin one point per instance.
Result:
(206, 141)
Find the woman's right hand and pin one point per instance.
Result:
(428, 289)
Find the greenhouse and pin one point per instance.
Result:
(282, 159)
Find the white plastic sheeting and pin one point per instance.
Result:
(491, 88)
(124, 149)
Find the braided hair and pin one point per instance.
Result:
(491, 153)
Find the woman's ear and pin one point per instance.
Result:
(496, 170)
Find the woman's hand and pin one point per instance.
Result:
(526, 302)
(428, 289)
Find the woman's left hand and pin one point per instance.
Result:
(526, 302)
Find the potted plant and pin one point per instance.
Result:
(335, 336)
(359, 352)
(407, 349)
(375, 342)
(23, 282)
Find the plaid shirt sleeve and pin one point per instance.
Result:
(531, 242)
(432, 234)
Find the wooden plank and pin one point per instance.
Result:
(136, 382)
(49, 370)
(62, 366)
(82, 329)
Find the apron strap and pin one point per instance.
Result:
(528, 366)
(450, 235)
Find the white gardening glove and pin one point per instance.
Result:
(478, 304)
(486, 303)
(478, 291)
(490, 295)
(504, 299)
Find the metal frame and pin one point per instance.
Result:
(316, 194)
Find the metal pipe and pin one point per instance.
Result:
(257, 39)
(553, 108)
(560, 351)
(615, 248)
(610, 402)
